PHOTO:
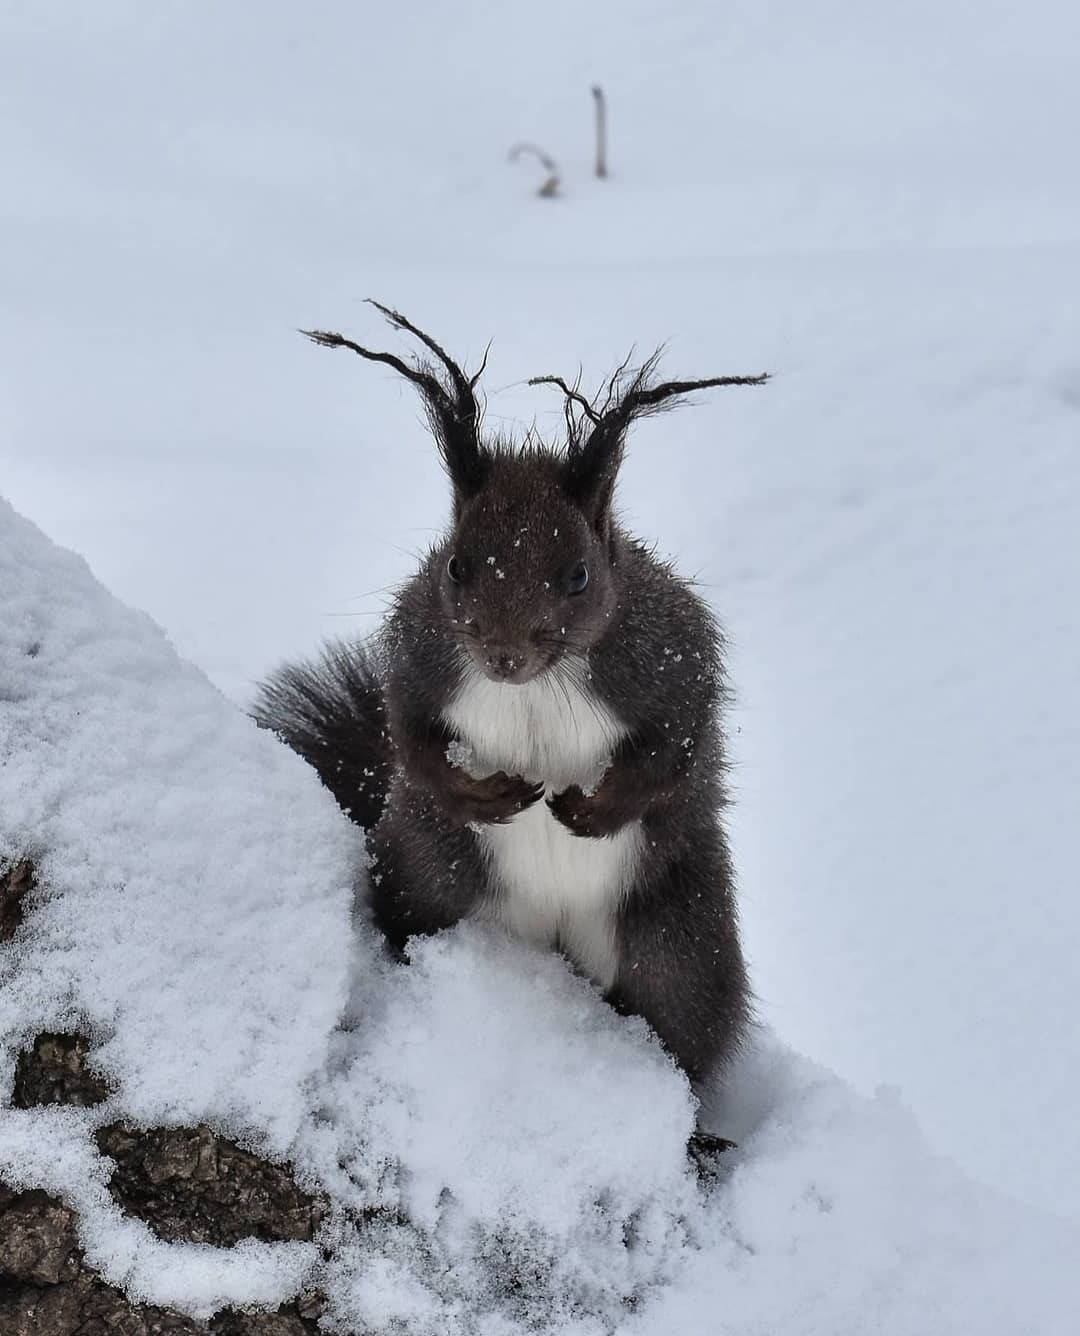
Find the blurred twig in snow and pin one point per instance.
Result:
(550, 187)
(601, 130)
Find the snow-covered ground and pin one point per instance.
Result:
(875, 204)
(503, 1152)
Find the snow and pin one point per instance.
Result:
(140, 791)
(502, 1151)
(837, 1220)
(194, 916)
(868, 202)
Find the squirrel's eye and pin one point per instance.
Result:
(453, 569)
(578, 579)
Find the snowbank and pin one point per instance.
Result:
(501, 1152)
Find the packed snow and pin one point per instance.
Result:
(871, 203)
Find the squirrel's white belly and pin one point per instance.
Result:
(558, 888)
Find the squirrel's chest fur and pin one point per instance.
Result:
(552, 887)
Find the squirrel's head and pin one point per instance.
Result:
(528, 574)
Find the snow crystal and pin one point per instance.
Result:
(459, 754)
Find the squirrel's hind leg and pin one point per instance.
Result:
(680, 964)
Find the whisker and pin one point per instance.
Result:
(563, 687)
(550, 678)
(371, 593)
(560, 642)
(573, 672)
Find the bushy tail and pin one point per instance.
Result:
(331, 711)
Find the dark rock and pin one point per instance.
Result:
(47, 1290)
(85, 1306)
(189, 1184)
(186, 1183)
(26, 1310)
(104, 1311)
(15, 882)
(285, 1322)
(311, 1306)
(56, 1071)
(37, 1236)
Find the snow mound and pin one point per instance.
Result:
(500, 1151)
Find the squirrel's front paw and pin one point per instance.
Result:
(592, 815)
(493, 800)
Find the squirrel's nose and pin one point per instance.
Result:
(505, 660)
(500, 661)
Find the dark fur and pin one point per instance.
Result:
(331, 711)
(638, 638)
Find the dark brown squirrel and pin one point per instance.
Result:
(534, 737)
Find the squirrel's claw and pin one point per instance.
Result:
(493, 800)
(581, 814)
(515, 795)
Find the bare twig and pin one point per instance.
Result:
(601, 130)
(550, 187)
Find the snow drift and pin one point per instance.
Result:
(500, 1151)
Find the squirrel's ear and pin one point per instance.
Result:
(589, 475)
(596, 436)
(449, 398)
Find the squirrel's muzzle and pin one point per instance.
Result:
(504, 662)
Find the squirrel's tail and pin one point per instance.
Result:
(331, 711)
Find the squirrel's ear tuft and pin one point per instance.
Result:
(596, 431)
(448, 395)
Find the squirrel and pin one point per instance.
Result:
(534, 738)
